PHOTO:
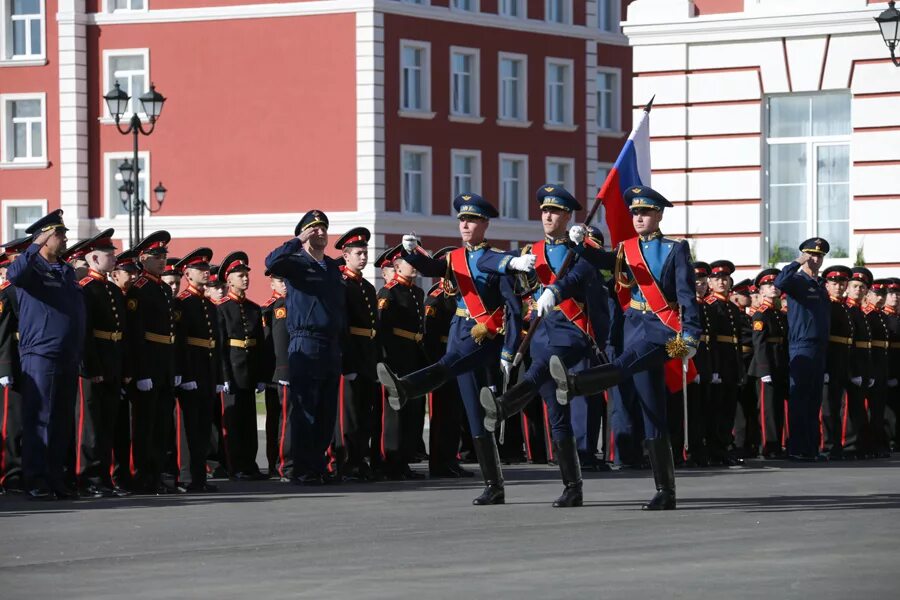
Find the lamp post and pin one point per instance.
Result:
(129, 192)
(889, 23)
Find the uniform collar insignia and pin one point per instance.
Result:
(652, 236)
(194, 290)
(403, 280)
(96, 275)
(235, 297)
(151, 277)
(470, 247)
(555, 241)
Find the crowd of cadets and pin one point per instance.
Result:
(174, 354)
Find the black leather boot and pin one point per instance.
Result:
(660, 452)
(414, 385)
(489, 461)
(570, 469)
(511, 403)
(585, 383)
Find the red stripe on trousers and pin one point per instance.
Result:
(3, 434)
(612, 434)
(224, 432)
(341, 409)
(80, 427)
(383, 411)
(178, 434)
(284, 401)
(846, 406)
(527, 436)
(762, 412)
(786, 432)
(547, 434)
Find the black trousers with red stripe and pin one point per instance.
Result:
(10, 438)
(152, 430)
(772, 398)
(353, 428)
(832, 410)
(122, 456)
(96, 414)
(194, 417)
(723, 404)
(278, 430)
(855, 419)
(239, 426)
(746, 420)
(445, 424)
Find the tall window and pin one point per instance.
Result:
(608, 15)
(120, 5)
(600, 218)
(415, 179)
(512, 79)
(18, 215)
(512, 8)
(558, 11)
(559, 92)
(23, 23)
(608, 115)
(113, 161)
(414, 76)
(808, 172)
(561, 171)
(513, 186)
(24, 128)
(128, 68)
(469, 5)
(464, 87)
(465, 171)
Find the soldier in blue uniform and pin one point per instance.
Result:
(317, 322)
(809, 315)
(52, 329)
(662, 322)
(565, 331)
(486, 327)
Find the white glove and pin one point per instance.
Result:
(284, 383)
(691, 352)
(826, 378)
(260, 387)
(410, 242)
(349, 376)
(6, 380)
(144, 385)
(220, 388)
(892, 383)
(177, 380)
(576, 234)
(188, 386)
(524, 263)
(766, 379)
(696, 379)
(506, 367)
(546, 302)
(226, 387)
(871, 382)
(715, 378)
(857, 381)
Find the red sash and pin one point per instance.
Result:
(459, 263)
(667, 313)
(569, 308)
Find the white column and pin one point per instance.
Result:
(590, 118)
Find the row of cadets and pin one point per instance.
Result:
(278, 405)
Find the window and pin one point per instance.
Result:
(415, 178)
(558, 11)
(415, 78)
(112, 197)
(513, 186)
(600, 218)
(512, 8)
(24, 120)
(125, 5)
(131, 70)
(23, 29)
(465, 171)
(608, 15)
(559, 92)
(608, 94)
(807, 172)
(18, 215)
(467, 5)
(513, 85)
(465, 75)
(561, 171)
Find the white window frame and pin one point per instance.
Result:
(109, 8)
(36, 162)
(567, 12)
(600, 218)
(476, 169)
(569, 184)
(519, 4)
(523, 193)
(107, 80)
(427, 174)
(108, 157)
(475, 87)
(7, 58)
(615, 26)
(568, 94)
(616, 125)
(5, 205)
(425, 111)
(523, 96)
(475, 7)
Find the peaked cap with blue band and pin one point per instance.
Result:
(53, 220)
(556, 196)
(473, 205)
(641, 196)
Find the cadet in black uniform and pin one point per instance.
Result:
(698, 390)
(172, 275)
(843, 332)
(875, 443)
(123, 275)
(856, 370)
(150, 339)
(770, 363)
(892, 397)
(100, 384)
(278, 404)
(244, 366)
(746, 419)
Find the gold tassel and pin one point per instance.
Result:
(479, 332)
(677, 347)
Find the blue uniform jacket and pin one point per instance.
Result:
(51, 307)
(316, 299)
(809, 309)
(493, 289)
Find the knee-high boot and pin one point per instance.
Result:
(402, 389)
(585, 383)
(570, 469)
(660, 451)
(489, 461)
(497, 410)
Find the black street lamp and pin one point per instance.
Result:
(889, 23)
(129, 192)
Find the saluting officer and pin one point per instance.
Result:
(770, 363)
(808, 316)
(51, 327)
(244, 367)
(100, 387)
(278, 401)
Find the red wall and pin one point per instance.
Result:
(711, 7)
(251, 125)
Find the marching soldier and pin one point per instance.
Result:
(244, 366)
(278, 404)
(150, 339)
(100, 385)
(877, 444)
(51, 327)
(770, 363)
(808, 316)
(360, 390)
(172, 275)
(200, 364)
